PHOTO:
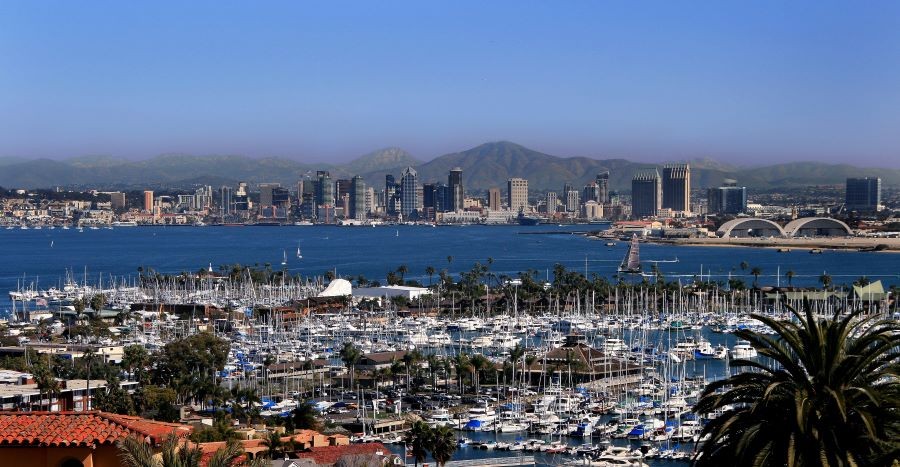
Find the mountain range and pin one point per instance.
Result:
(485, 166)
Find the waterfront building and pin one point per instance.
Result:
(391, 200)
(454, 182)
(572, 200)
(342, 188)
(494, 199)
(592, 210)
(226, 200)
(324, 189)
(727, 199)
(409, 195)
(370, 200)
(863, 194)
(602, 187)
(676, 187)
(646, 193)
(117, 200)
(357, 199)
(517, 194)
(265, 193)
(148, 201)
(551, 203)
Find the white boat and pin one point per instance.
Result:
(299, 255)
(124, 224)
(284, 258)
(743, 349)
(440, 417)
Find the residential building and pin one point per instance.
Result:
(603, 187)
(148, 201)
(494, 199)
(551, 203)
(572, 200)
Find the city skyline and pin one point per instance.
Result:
(318, 82)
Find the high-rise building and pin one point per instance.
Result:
(358, 199)
(552, 202)
(148, 201)
(226, 200)
(572, 201)
(590, 192)
(242, 198)
(265, 193)
(409, 199)
(517, 194)
(370, 200)
(341, 188)
(454, 181)
(676, 187)
(727, 199)
(390, 195)
(603, 187)
(863, 194)
(429, 195)
(494, 199)
(117, 200)
(646, 193)
(443, 198)
(324, 189)
(281, 197)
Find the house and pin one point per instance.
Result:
(379, 360)
(365, 454)
(585, 365)
(75, 439)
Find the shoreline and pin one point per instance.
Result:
(858, 244)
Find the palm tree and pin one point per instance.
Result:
(305, 417)
(274, 445)
(825, 280)
(350, 355)
(176, 452)
(515, 354)
(826, 393)
(443, 444)
(790, 277)
(430, 271)
(417, 438)
(756, 272)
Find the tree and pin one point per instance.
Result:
(825, 280)
(135, 361)
(443, 444)
(515, 354)
(274, 445)
(756, 272)
(175, 452)
(790, 277)
(429, 270)
(350, 355)
(304, 417)
(78, 305)
(98, 301)
(825, 393)
(418, 438)
(46, 382)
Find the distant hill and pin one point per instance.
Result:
(485, 166)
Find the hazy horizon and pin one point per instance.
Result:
(743, 84)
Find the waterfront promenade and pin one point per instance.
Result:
(836, 243)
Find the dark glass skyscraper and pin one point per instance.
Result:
(358, 198)
(676, 187)
(409, 196)
(646, 193)
(863, 194)
(727, 199)
(454, 181)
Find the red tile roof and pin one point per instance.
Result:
(327, 455)
(79, 428)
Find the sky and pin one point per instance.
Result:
(742, 82)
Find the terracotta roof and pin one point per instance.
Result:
(327, 455)
(79, 428)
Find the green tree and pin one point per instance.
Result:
(350, 355)
(443, 444)
(429, 270)
(825, 280)
(790, 277)
(135, 361)
(175, 452)
(46, 381)
(825, 393)
(305, 417)
(274, 446)
(418, 438)
(756, 272)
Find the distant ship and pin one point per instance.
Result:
(631, 263)
(529, 220)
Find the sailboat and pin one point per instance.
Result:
(299, 256)
(631, 263)
(284, 258)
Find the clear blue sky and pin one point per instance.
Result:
(744, 82)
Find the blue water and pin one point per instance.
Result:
(44, 256)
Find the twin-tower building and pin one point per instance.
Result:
(651, 193)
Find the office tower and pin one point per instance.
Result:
(646, 193)
(324, 189)
(409, 182)
(552, 202)
(242, 198)
(369, 200)
(572, 200)
(494, 199)
(117, 200)
(341, 188)
(148, 201)
(863, 194)
(357, 199)
(454, 181)
(308, 204)
(603, 187)
(390, 192)
(429, 195)
(517, 194)
(590, 192)
(676, 187)
(281, 197)
(226, 200)
(443, 199)
(727, 199)
(265, 193)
